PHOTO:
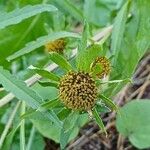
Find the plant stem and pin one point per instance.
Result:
(22, 128)
(32, 133)
(9, 123)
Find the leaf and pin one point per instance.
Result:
(47, 83)
(18, 15)
(51, 131)
(68, 126)
(60, 60)
(70, 8)
(134, 122)
(22, 92)
(50, 104)
(119, 28)
(31, 46)
(86, 57)
(99, 120)
(134, 45)
(45, 73)
(108, 102)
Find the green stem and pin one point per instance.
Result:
(22, 128)
(30, 141)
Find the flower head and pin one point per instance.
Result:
(56, 46)
(78, 90)
(104, 65)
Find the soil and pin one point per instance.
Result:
(90, 137)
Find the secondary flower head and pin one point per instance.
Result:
(78, 90)
(103, 67)
(56, 46)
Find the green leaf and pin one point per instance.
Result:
(70, 8)
(134, 122)
(49, 130)
(18, 15)
(47, 83)
(68, 126)
(45, 73)
(134, 45)
(22, 92)
(86, 57)
(108, 102)
(99, 120)
(50, 104)
(61, 61)
(62, 114)
(119, 28)
(31, 46)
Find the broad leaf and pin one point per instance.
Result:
(134, 122)
(31, 46)
(18, 15)
(22, 92)
(61, 61)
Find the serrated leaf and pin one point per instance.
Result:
(18, 15)
(99, 120)
(31, 46)
(24, 93)
(45, 73)
(108, 102)
(60, 61)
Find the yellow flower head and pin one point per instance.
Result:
(78, 90)
(102, 65)
(56, 46)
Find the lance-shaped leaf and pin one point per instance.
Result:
(99, 120)
(47, 83)
(50, 104)
(31, 46)
(22, 92)
(60, 61)
(45, 73)
(108, 102)
(119, 28)
(18, 15)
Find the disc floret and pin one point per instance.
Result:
(78, 90)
